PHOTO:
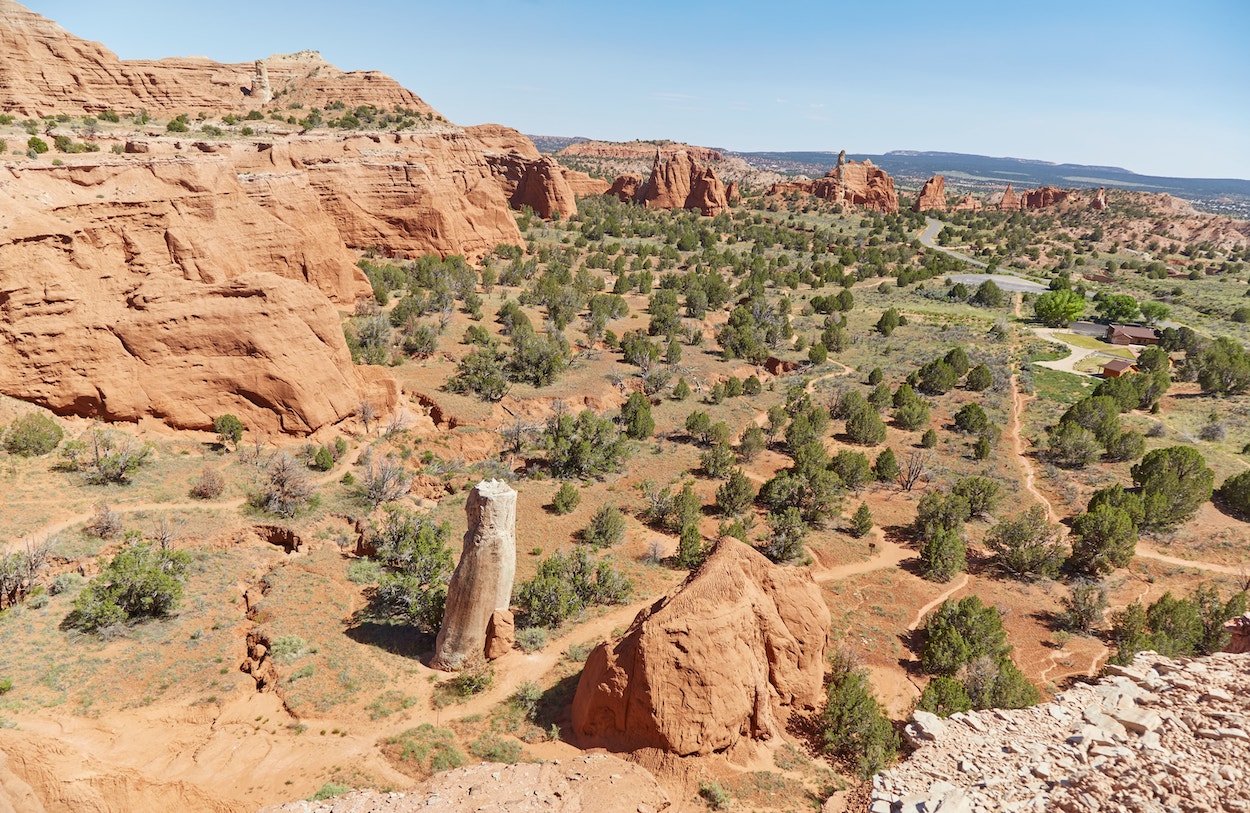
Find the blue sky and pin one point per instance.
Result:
(1157, 88)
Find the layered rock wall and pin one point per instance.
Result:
(721, 661)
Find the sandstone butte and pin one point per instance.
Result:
(1100, 200)
(861, 184)
(932, 197)
(1009, 201)
(1042, 197)
(180, 281)
(680, 182)
(718, 663)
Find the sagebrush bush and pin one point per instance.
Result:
(32, 434)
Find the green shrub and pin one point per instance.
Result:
(531, 639)
(364, 571)
(861, 522)
(565, 585)
(426, 748)
(417, 562)
(323, 459)
(854, 724)
(493, 748)
(6, 685)
(32, 434)
(287, 647)
(141, 581)
(64, 583)
(36, 145)
(105, 457)
(716, 797)
(606, 528)
(567, 498)
(330, 789)
(944, 696)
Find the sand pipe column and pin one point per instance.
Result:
(482, 583)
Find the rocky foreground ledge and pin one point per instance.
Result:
(1159, 735)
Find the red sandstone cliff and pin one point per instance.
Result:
(861, 184)
(1007, 202)
(641, 149)
(681, 182)
(932, 196)
(1042, 197)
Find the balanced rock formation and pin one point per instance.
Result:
(46, 70)
(719, 662)
(1099, 202)
(932, 196)
(599, 782)
(851, 182)
(1042, 197)
(1160, 734)
(482, 583)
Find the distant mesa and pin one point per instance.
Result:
(641, 150)
(680, 182)
(717, 664)
(850, 182)
(932, 197)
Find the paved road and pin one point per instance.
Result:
(1007, 282)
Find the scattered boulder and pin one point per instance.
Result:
(1158, 734)
(481, 586)
(1240, 629)
(720, 662)
(500, 634)
(932, 196)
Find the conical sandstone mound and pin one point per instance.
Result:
(480, 590)
(721, 661)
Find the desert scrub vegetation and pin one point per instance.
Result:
(855, 728)
(141, 581)
(32, 434)
(565, 585)
(103, 456)
(1176, 627)
(424, 750)
(412, 566)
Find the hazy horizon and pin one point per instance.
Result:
(1145, 86)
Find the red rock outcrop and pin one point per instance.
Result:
(1099, 202)
(528, 178)
(1009, 201)
(641, 149)
(932, 196)
(861, 184)
(720, 661)
(583, 184)
(48, 70)
(626, 187)
(1042, 197)
(1239, 629)
(683, 183)
(967, 204)
(732, 193)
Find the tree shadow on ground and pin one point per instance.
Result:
(397, 639)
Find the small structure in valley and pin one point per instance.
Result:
(1118, 367)
(477, 622)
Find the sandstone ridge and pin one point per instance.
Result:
(1160, 734)
(48, 70)
(718, 663)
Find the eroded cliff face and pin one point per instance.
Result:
(181, 279)
(932, 197)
